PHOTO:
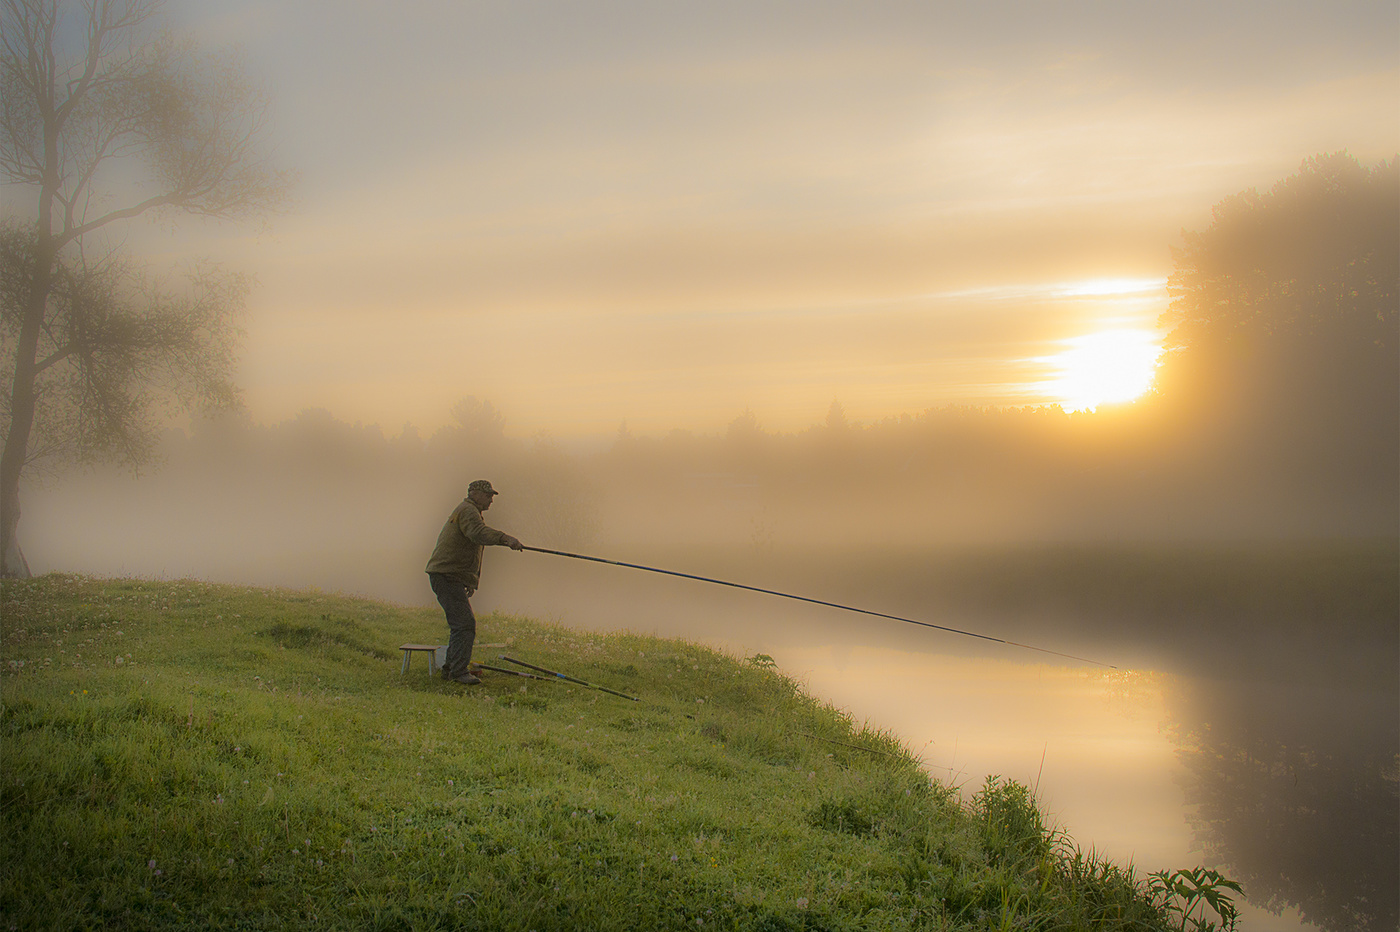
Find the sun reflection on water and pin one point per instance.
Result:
(1094, 745)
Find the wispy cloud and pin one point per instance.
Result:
(729, 205)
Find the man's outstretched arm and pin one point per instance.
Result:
(478, 532)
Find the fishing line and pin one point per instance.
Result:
(803, 598)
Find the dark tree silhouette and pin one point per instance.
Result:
(1284, 324)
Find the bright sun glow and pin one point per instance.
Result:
(1109, 367)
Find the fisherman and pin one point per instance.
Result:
(454, 571)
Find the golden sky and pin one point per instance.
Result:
(663, 214)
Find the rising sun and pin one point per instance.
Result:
(1108, 367)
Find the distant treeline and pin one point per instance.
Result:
(1276, 414)
(1139, 471)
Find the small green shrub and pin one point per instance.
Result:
(1013, 833)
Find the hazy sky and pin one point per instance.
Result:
(665, 213)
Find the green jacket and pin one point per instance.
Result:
(458, 551)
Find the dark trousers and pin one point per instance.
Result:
(461, 623)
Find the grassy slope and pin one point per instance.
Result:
(184, 755)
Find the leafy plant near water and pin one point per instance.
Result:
(1184, 891)
(182, 755)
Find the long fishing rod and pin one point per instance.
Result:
(528, 676)
(568, 679)
(803, 598)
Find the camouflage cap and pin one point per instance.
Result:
(481, 485)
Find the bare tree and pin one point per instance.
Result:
(106, 119)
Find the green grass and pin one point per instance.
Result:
(180, 755)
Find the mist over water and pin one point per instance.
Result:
(1250, 724)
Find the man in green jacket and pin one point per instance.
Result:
(454, 571)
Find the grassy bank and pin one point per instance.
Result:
(183, 755)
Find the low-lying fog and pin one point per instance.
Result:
(1250, 722)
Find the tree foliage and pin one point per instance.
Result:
(1284, 326)
(113, 347)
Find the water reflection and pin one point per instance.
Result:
(1090, 743)
(1289, 787)
(1295, 787)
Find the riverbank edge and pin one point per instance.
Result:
(179, 754)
